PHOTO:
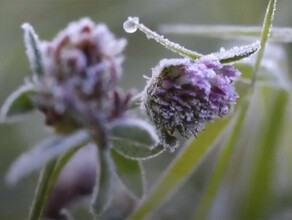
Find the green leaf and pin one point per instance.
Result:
(104, 184)
(44, 152)
(129, 173)
(222, 163)
(184, 164)
(17, 103)
(135, 139)
(278, 34)
(132, 24)
(237, 53)
(31, 42)
(267, 25)
(259, 188)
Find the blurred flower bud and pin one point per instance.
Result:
(74, 184)
(183, 95)
(81, 68)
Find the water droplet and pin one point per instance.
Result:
(130, 25)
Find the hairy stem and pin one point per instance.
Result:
(41, 192)
(60, 163)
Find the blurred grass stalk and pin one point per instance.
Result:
(260, 183)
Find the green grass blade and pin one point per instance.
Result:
(267, 25)
(181, 167)
(261, 176)
(221, 164)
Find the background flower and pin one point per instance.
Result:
(82, 66)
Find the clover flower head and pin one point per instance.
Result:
(182, 95)
(82, 66)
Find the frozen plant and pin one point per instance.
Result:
(74, 84)
(185, 93)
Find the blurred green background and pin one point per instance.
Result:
(50, 16)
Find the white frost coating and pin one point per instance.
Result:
(237, 53)
(164, 63)
(133, 22)
(42, 153)
(31, 41)
(144, 158)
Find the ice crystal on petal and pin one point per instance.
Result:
(183, 95)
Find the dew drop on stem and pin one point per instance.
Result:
(130, 25)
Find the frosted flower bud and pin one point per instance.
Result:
(182, 95)
(82, 65)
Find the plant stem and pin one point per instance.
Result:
(41, 192)
(60, 163)
(176, 48)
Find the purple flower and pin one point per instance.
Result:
(183, 95)
(81, 68)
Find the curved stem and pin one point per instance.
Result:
(60, 163)
(41, 191)
(176, 48)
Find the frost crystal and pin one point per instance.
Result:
(81, 68)
(183, 95)
(237, 53)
